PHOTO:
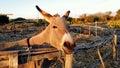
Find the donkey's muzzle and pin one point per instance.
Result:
(68, 47)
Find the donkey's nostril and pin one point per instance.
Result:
(68, 47)
(67, 44)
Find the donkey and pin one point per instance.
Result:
(56, 34)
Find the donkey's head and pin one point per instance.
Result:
(58, 35)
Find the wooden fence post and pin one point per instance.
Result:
(89, 29)
(68, 60)
(98, 51)
(115, 47)
(96, 28)
(13, 60)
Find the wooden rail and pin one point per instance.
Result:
(10, 59)
(95, 44)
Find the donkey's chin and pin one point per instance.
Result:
(67, 51)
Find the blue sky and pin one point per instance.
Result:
(26, 8)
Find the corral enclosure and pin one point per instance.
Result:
(83, 35)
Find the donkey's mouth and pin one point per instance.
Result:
(68, 47)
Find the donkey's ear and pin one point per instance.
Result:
(46, 15)
(66, 14)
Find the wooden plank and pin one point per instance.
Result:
(13, 60)
(102, 62)
(38, 52)
(30, 64)
(36, 57)
(4, 63)
(4, 57)
(7, 52)
(115, 47)
(68, 60)
(50, 56)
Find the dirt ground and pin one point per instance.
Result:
(83, 59)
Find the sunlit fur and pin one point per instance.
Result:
(59, 36)
(57, 33)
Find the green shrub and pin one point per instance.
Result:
(19, 19)
(114, 24)
(4, 19)
(41, 22)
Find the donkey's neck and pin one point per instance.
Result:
(35, 40)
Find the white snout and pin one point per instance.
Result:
(67, 38)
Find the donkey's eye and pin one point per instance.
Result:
(54, 26)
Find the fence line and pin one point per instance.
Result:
(97, 44)
(100, 42)
(55, 53)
